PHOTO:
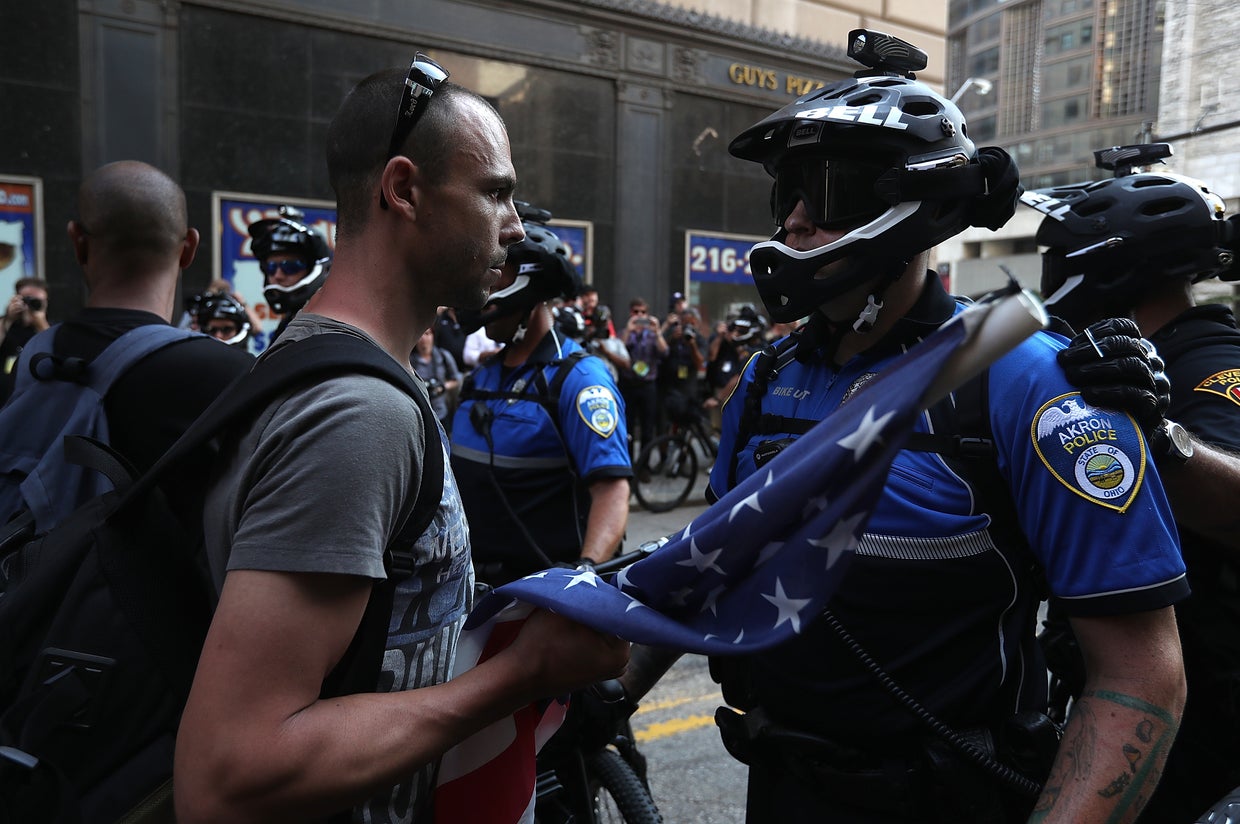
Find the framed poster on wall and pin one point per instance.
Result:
(21, 231)
(231, 215)
(578, 236)
(717, 275)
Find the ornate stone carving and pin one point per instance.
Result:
(602, 48)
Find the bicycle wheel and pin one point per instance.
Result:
(619, 795)
(665, 473)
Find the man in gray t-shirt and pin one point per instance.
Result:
(307, 498)
(252, 522)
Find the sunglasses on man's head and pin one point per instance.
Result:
(288, 266)
(424, 79)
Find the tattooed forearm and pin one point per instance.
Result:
(1113, 750)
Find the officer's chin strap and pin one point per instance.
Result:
(823, 336)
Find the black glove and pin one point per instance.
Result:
(1118, 369)
(596, 715)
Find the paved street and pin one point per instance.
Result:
(693, 779)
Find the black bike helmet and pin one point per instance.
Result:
(287, 234)
(543, 272)
(223, 306)
(1109, 241)
(747, 325)
(881, 155)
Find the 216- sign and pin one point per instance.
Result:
(723, 260)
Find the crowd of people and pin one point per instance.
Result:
(1097, 477)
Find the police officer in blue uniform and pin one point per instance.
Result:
(917, 695)
(1133, 246)
(539, 447)
(295, 260)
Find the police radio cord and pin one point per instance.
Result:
(999, 770)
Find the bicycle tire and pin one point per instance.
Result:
(611, 774)
(665, 472)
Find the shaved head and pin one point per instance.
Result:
(133, 210)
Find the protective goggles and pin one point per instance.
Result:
(289, 266)
(425, 77)
(838, 194)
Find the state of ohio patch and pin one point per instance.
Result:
(1097, 453)
(598, 408)
(1225, 383)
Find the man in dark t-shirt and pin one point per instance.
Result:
(131, 257)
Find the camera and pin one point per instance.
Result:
(435, 387)
(33, 304)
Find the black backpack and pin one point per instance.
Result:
(102, 619)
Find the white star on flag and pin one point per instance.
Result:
(701, 561)
(842, 538)
(867, 432)
(789, 608)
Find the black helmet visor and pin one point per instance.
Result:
(838, 194)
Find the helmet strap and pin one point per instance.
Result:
(869, 315)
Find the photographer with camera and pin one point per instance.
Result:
(443, 379)
(24, 318)
(681, 401)
(643, 337)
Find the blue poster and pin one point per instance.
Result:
(576, 236)
(718, 258)
(20, 252)
(235, 262)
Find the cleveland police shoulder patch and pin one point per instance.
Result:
(1225, 383)
(597, 406)
(1097, 453)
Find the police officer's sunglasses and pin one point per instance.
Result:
(425, 78)
(838, 194)
(288, 267)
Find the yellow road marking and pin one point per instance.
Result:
(669, 703)
(662, 729)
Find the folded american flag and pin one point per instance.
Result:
(752, 570)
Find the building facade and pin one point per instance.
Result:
(619, 111)
(1050, 81)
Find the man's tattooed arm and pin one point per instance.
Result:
(1122, 727)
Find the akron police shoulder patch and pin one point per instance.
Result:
(1097, 453)
(597, 406)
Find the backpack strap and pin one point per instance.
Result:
(39, 363)
(765, 369)
(276, 373)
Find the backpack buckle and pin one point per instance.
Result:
(75, 680)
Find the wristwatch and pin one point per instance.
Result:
(1172, 441)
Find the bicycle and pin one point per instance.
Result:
(582, 778)
(666, 468)
(583, 785)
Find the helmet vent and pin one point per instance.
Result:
(1094, 205)
(921, 108)
(831, 95)
(1145, 181)
(865, 99)
(1163, 206)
